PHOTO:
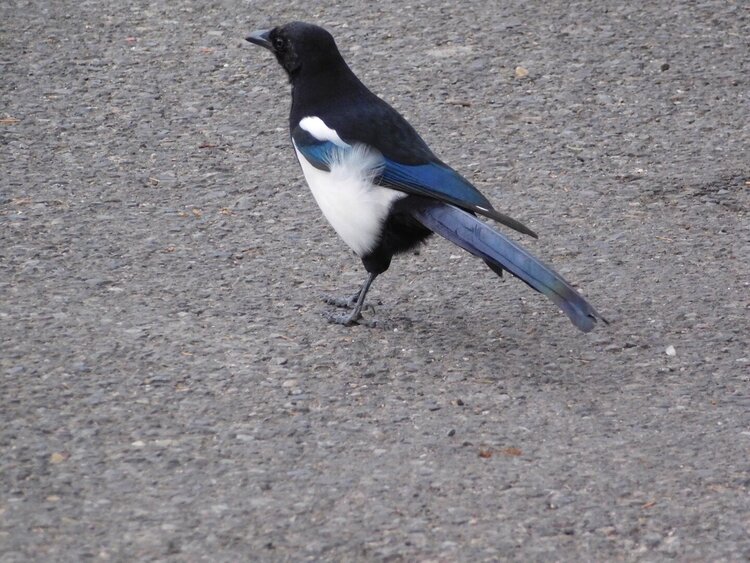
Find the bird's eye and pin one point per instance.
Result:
(278, 43)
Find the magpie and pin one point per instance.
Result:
(378, 183)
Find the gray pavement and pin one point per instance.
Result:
(169, 390)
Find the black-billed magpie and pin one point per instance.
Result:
(378, 183)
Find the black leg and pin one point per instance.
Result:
(356, 314)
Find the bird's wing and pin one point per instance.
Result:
(431, 179)
(318, 153)
(439, 181)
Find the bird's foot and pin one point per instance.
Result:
(343, 302)
(348, 319)
(355, 303)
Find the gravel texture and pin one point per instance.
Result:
(170, 390)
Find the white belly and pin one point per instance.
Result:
(353, 205)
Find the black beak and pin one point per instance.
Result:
(261, 37)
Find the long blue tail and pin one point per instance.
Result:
(474, 236)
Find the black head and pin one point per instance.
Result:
(299, 47)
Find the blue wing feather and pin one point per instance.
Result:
(432, 179)
(318, 153)
(429, 179)
(438, 181)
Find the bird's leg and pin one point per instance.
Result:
(346, 302)
(356, 314)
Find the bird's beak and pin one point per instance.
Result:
(262, 38)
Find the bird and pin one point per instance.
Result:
(381, 187)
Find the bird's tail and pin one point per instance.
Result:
(499, 252)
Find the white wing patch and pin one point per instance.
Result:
(318, 129)
(353, 205)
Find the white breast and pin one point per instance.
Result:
(353, 205)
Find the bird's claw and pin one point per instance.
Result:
(349, 319)
(342, 302)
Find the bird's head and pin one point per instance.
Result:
(299, 47)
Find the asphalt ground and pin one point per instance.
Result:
(170, 390)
